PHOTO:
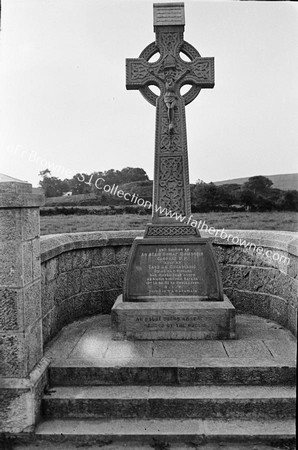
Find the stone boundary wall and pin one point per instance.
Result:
(82, 274)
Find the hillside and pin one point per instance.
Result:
(205, 197)
(285, 182)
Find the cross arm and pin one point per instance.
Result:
(200, 72)
(138, 73)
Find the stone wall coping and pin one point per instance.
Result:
(15, 186)
(286, 241)
(21, 200)
(54, 244)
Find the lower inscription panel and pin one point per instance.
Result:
(168, 322)
(173, 320)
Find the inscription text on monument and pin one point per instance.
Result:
(172, 271)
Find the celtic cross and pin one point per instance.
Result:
(169, 73)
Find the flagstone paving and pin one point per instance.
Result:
(44, 445)
(91, 341)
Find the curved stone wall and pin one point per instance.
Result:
(82, 274)
(262, 282)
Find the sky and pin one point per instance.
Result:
(64, 105)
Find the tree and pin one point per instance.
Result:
(54, 187)
(290, 201)
(264, 203)
(130, 174)
(228, 194)
(205, 197)
(112, 176)
(258, 184)
(247, 197)
(231, 191)
(44, 173)
(78, 184)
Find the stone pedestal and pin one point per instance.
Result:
(173, 320)
(173, 289)
(21, 369)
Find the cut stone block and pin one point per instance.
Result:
(230, 402)
(163, 269)
(173, 320)
(169, 430)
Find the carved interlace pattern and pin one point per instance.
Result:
(169, 41)
(201, 70)
(171, 186)
(168, 231)
(138, 72)
(170, 142)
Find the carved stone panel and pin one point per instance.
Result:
(180, 268)
(171, 192)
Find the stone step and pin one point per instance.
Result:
(115, 402)
(193, 431)
(203, 371)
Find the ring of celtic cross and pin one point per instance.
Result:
(188, 50)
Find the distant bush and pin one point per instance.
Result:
(105, 211)
(256, 194)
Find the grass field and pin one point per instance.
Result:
(283, 221)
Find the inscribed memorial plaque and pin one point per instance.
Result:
(182, 270)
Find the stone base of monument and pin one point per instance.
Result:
(173, 320)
